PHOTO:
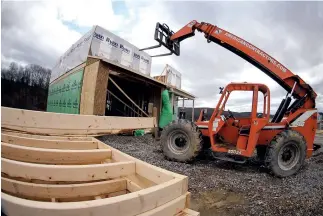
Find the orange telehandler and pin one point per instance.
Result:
(282, 142)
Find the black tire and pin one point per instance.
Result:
(261, 152)
(286, 153)
(181, 141)
(206, 142)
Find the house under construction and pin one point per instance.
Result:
(102, 74)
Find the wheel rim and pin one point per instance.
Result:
(288, 156)
(178, 142)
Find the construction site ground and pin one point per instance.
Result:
(225, 188)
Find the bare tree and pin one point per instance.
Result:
(25, 86)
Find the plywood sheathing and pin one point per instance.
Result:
(101, 90)
(93, 96)
(88, 89)
(91, 60)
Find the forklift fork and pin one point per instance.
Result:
(162, 36)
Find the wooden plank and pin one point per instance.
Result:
(171, 208)
(90, 60)
(98, 197)
(116, 154)
(150, 172)
(49, 144)
(71, 173)
(188, 200)
(69, 124)
(95, 83)
(103, 196)
(155, 129)
(141, 181)
(153, 173)
(132, 186)
(53, 156)
(32, 190)
(35, 136)
(126, 205)
(117, 193)
(190, 212)
(100, 96)
(157, 100)
(88, 88)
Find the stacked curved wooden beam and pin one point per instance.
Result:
(81, 176)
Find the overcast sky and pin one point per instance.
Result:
(291, 32)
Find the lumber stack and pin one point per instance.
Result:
(81, 176)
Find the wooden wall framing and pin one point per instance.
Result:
(97, 71)
(95, 83)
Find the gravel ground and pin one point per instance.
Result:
(224, 188)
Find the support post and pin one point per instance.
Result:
(156, 128)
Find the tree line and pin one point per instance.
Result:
(25, 87)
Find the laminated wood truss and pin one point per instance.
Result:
(78, 175)
(70, 124)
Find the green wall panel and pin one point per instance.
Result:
(64, 96)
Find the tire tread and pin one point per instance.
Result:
(195, 133)
(276, 142)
